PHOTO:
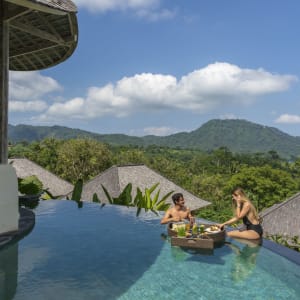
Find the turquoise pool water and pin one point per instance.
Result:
(109, 253)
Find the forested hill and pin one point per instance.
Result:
(236, 135)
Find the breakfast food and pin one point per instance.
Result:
(214, 228)
(176, 226)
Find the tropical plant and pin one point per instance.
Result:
(82, 158)
(141, 200)
(30, 185)
(146, 201)
(77, 192)
(124, 198)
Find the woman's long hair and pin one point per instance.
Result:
(244, 198)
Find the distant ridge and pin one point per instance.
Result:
(237, 135)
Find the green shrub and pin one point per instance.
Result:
(30, 185)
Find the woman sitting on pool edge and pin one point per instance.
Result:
(245, 210)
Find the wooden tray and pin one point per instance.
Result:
(197, 243)
(207, 241)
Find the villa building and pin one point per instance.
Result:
(52, 183)
(283, 218)
(116, 178)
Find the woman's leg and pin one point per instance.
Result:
(246, 234)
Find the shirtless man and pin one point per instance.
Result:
(178, 212)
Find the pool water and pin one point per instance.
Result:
(107, 252)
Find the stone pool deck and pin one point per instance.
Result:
(26, 223)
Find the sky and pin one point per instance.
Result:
(165, 66)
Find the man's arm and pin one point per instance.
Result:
(190, 216)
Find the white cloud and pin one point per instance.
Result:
(28, 86)
(289, 119)
(147, 9)
(28, 106)
(154, 16)
(106, 5)
(200, 91)
(159, 131)
(27, 90)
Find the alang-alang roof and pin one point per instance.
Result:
(42, 33)
(116, 178)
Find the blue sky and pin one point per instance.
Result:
(159, 67)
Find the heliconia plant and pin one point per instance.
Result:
(147, 202)
(124, 198)
(142, 200)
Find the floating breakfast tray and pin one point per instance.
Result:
(207, 240)
(203, 243)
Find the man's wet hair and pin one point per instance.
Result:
(176, 197)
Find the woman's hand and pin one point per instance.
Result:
(238, 203)
(221, 226)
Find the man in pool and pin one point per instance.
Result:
(178, 212)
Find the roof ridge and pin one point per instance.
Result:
(278, 205)
(181, 187)
(100, 174)
(39, 166)
(130, 165)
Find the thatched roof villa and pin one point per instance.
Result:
(116, 178)
(55, 185)
(283, 218)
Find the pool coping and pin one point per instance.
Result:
(279, 249)
(26, 223)
(286, 252)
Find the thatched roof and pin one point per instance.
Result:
(42, 33)
(55, 185)
(116, 178)
(283, 218)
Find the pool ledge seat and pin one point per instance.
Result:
(9, 208)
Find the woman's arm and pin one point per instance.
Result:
(231, 221)
(240, 212)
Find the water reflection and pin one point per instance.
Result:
(8, 271)
(244, 262)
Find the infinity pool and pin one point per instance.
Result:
(107, 252)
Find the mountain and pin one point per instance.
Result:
(237, 135)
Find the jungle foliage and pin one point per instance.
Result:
(266, 177)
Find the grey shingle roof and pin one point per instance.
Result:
(283, 218)
(55, 185)
(117, 177)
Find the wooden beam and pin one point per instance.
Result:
(44, 21)
(36, 32)
(17, 12)
(36, 51)
(36, 5)
(4, 55)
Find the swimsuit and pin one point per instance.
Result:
(256, 227)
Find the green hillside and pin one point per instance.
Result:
(237, 135)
